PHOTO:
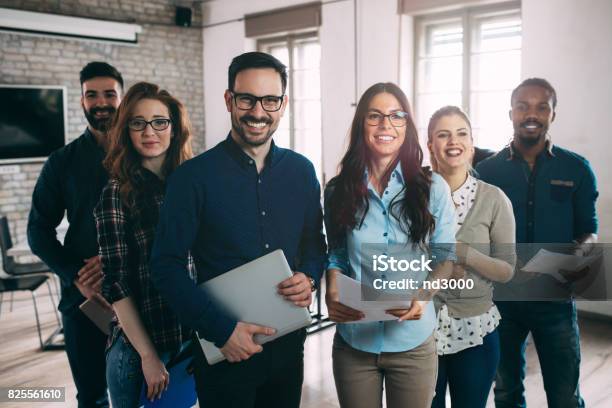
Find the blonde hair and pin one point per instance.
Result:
(448, 110)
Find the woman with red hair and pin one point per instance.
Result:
(149, 139)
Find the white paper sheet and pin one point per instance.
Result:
(548, 262)
(349, 291)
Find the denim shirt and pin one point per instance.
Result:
(379, 227)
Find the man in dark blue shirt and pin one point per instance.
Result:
(240, 200)
(481, 154)
(70, 183)
(553, 193)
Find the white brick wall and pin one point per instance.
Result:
(168, 55)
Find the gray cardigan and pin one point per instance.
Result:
(489, 228)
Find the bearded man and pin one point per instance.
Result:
(553, 193)
(70, 183)
(242, 199)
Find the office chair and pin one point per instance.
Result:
(16, 269)
(30, 283)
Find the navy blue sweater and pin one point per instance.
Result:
(70, 183)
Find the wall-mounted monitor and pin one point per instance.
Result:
(33, 122)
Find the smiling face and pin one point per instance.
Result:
(255, 126)
(100, 99)
(451, 143)
(151, 143)
(532, 113)
(384, 140)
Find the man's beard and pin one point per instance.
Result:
(101, 124)
(533, 139)
(529, 141)
(236, 126)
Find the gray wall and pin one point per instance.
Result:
(568, 42)
(165, 54)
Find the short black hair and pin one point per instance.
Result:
(255, 60)
(100, 69)
(541, 82)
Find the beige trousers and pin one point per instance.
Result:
(409, 376)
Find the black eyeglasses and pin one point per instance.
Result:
(397, 119)
(156, 124)
(269, 103)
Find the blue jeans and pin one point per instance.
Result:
(468, 374)
(554, 328)
(124, 372)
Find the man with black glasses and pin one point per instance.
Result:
(242, 199)
(70, 183)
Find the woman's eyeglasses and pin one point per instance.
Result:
(156, 124)
(397, 119)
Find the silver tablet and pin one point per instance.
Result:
(249, 294)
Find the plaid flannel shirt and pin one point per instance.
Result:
(125, 237)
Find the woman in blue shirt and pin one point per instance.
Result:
(383, 196)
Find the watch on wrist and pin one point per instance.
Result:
(313, 285)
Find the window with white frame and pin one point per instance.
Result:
(300, 129)
(470, 58)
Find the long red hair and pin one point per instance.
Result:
(123, 161)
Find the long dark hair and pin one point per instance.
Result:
(123, 161)
(349, 193)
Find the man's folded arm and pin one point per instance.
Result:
(46, 214)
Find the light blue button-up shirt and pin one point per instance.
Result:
(379, 227)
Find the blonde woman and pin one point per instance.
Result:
(466, 337)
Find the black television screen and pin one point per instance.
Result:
(32, 122)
